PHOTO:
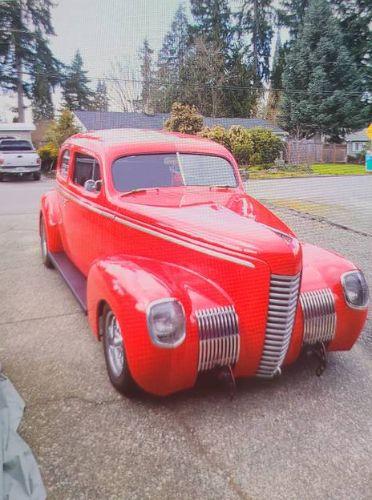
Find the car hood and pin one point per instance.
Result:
(230, 221)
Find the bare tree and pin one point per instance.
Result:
(123, 87)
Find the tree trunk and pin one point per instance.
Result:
(21, 109)
(255, 39)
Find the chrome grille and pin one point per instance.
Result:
(283, 297)
(318, 308)
(219, 340)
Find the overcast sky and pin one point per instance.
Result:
(108, 30)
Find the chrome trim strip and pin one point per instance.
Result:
(153, 232)
(219, 339)
(318, 307)
(283, 299)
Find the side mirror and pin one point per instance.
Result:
(92, 186)
(244, 174)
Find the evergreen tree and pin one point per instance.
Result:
(276, 79)
(171, 62)
(100, 98)
(291, 14)
(75, 85)
(322, 86)
(45, 76)
(256, 19)
(147, 76)
(212, 22)
(355, 17)
(24, 25)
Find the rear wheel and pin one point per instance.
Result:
(1, 177)
(44, 246)
(36, 176)
(115, 355)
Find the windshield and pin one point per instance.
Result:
(166, 170)
(9, 145)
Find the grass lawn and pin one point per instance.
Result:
(304, 171)
(338, 169)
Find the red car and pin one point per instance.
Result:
(180, 271)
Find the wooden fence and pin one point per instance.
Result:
(307, 151)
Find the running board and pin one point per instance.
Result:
(75, 280)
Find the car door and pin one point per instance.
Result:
(80, 218)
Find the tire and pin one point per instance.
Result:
(1, 177)
(36, 176)
(44, 246)
(115, 355)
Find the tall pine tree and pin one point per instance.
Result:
(322, 86)
(24, 25)
(256, 19)
(171, 62)
(147, 75)
(75, 86)
(100, 98)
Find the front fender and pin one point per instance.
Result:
(323, 269)
(49, 210)
(128, 285)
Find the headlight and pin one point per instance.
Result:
(355, 289)
(166, 322)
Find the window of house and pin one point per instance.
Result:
(86, 168)
(64, 163)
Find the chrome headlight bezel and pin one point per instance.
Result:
(363, 287)
(176, 309)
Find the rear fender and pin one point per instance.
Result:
(128, 285)
(50, 212)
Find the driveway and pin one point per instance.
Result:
(346, 200)
(299, 436)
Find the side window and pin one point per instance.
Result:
(64, 163)
(86, 168)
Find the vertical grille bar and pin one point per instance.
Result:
(318, 307)
(283, 298)
(219, 339)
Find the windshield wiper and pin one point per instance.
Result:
(138, 190)
(221, 186)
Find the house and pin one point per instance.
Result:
(17, 130)
(97, 120)
(356, 142)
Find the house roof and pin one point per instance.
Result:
(97, 120)
(16, 127)
(357, 136)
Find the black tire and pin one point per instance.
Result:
(44, 246)
(121, 379)
(1, 177)
(36, 176)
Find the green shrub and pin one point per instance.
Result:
(48, 155)
(266, 146)
(217, 134)
(185, 119)
(256, 146)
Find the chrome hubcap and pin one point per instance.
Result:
(115, 350)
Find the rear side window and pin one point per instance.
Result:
(64, 163)
(11, 145)
(86, 168)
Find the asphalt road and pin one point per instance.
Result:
(299, 436)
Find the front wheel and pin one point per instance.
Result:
(115, 355)
(44, 246)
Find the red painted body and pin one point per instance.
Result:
(206, 247)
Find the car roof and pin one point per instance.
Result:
(134, 140)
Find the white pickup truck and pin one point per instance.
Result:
(18, 157)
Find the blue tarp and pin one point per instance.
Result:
(19, 473)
